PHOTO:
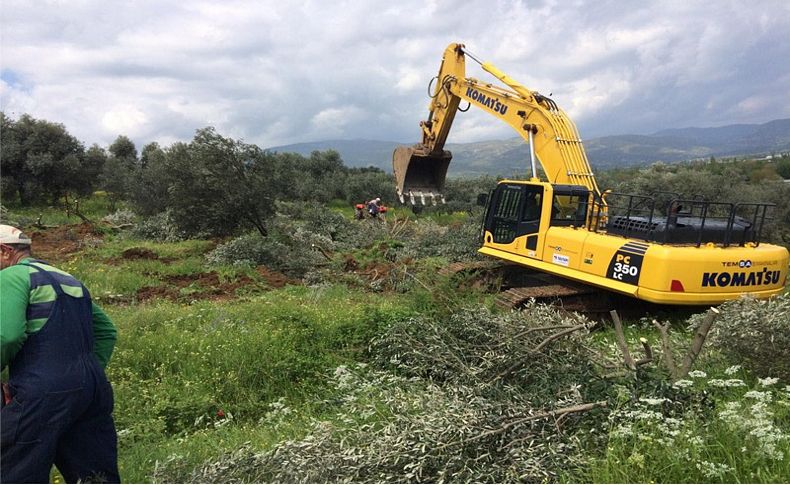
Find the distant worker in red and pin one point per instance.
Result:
(57, 404)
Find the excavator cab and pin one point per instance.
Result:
(420, 174)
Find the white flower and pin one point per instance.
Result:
(682, 383)
(759, 396)
(726, 383)
(653, 402)
(711, 470)
(768, 381)
(697, 374)
(732, 370)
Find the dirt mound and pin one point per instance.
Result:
(275, 279)
(200, 286)
(139, 253)
(56, 243)
(209, 286)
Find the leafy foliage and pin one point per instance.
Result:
(159, 227)
(42, 161)
(221, 185)
(756, 333)
(443, 416)
(434, 434)
(456, 242)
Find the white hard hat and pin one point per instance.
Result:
(12, 235)
(378, 199)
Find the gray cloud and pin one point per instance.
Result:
(281, 72)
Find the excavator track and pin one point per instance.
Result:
(517, 286)
(464, 267)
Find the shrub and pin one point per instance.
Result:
(473, 346)
(456, 242)
(289, 253)
(121, 216)
(158, 228)
(756, 333)
(430, 434)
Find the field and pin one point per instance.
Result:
(351, 358)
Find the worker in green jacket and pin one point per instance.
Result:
(57, 404)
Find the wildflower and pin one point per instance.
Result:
(220, 413)
(732, 370)
(759, 396)
(622, 431)
(768, 381)
(637, 459)
(696, 441)
(726, 383)
(711, 470)
(682, 383)
(697, 374)
(653, 402)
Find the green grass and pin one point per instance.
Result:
(176, 366)
(107, 274)
(727, 435)
(94, 208)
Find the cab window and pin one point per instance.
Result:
(569, 210)
(533, 200)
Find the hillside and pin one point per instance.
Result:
(508, 156)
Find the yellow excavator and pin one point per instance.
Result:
(659, 248)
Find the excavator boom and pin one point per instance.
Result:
(420, 170)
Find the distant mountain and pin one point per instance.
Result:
(509, 157)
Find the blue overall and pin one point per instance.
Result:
(62, 401)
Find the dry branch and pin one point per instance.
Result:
(618, 329)
(648, 353)
(544, 343)
(558, 413)
(698, 342)
(666, 347)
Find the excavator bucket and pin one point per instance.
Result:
(420, 175)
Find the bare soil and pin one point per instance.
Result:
(57, 243)
(209, 286)
(139, 253)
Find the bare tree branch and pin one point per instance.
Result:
(537, 349)
(666, 348)
(618, 330)
(648, 353)
(555, 413)
(698, 342)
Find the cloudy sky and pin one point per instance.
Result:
(280, 72)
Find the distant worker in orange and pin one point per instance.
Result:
(359, 212)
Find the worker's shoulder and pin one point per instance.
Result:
(35, 267)
(14, 280)
(15, 271)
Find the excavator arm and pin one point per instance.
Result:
(554, 141)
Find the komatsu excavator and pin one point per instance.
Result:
(658, 248)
